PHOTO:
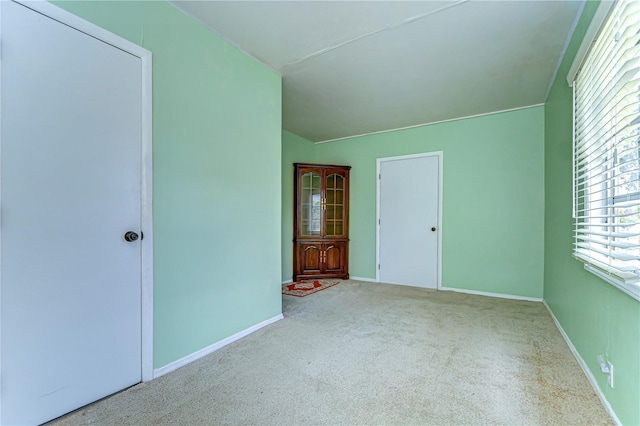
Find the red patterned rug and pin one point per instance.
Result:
(305, 288)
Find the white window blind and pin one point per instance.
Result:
(606, 153)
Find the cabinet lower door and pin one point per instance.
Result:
(310, 259)
(334, 257)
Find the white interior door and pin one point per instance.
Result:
(408, 226)
(70, 189)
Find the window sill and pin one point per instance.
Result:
(633, 290)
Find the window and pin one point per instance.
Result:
(606, 153)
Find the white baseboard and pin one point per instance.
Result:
(485, 293)
(158, 372)
(368, 280)
(584, 367)
(287, 281)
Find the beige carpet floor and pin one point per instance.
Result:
(376, 354)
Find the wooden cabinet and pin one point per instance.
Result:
(321, 221)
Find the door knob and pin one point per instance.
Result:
(433, 229)
(130, 236)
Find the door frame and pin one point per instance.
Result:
(146, 185)
(379, 161)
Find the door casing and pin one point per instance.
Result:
(146, 220)
(379, 161)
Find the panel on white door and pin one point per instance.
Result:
(408, 248)
(70, 188)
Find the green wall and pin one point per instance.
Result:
(598, 318)
(493, 197)
(217, 177)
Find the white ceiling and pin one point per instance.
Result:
(357, 67)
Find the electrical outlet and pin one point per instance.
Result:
(603, 365)
(610, 378)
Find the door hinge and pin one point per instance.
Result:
(379, 176)
(378, 221)
(378, 266)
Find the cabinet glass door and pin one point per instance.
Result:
(310, 204)
(334, 206)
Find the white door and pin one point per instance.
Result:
(70, 189)
(408, 226)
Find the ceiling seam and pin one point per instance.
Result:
(406, 21)
(428, 124)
